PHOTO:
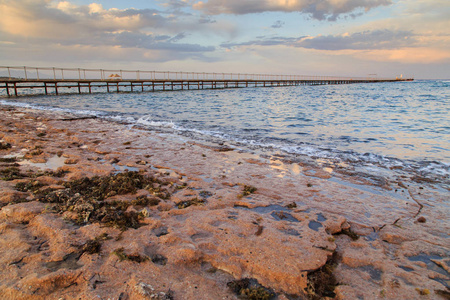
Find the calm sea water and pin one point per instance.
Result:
(403, 125)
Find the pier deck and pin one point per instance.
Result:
(35, 81)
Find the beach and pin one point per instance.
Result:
(94, 209)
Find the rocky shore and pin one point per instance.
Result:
(92, 209)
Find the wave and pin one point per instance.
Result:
(54, 109)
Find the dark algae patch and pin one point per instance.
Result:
(120, 253)
(187, 203)
(5, 146)
(250, 289)
(8, 160)
(95, 245)
(322, 282)
(86, 198)
(159, 259)
(31, 186)
(247, 190)
(99, 188)
(11, 173)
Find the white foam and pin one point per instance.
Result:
(49, 108)
(146, 121)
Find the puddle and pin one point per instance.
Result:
(283, 216)
(269, 209)
(53, 163)
(314, 225)
(371, 237)
(200, 236)
(375, 274)
(425, 258)
(232, 215)
(278, 212)
(371, 189)
(206, 179)
(407, 269)
(125, 168)
(69, 261)
(291, 231)
(321, 218)
(161, 231)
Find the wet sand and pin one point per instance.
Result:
(94, 209)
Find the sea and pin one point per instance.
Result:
(394, 129)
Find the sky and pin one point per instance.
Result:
(388, 38)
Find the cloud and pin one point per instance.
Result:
(44, 22)
(278, 24)
(266, 41)
(377, 39)
(318, 9)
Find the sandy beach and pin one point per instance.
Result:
(92, 209)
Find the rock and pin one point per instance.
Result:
(22, 212)
(333, 226)
(186, 255)
(421, 220)
(71, 161)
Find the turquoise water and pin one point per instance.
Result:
(390, 125)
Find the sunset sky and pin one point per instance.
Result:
(304, 37)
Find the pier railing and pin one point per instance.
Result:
(35, 80)
(68, 74)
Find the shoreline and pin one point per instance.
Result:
(213, 228)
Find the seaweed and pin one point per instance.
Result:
(92, 246)
(8, 159)
(31, 186)
(11, 173)
(423, 292)
(205, 194)
(187, 203)
(260, 230)
(86, 198)
(159, 259)
(291, 205)
(247, 190)
(120, 253)
(95, 245)
(99, 188)
(145, 201)
(322, 282)
(58, 173)
(250, 289)
(5, 146)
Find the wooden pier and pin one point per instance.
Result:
(16, 81)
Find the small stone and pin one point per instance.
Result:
(421, 220)
(38, 160)
(71, 161)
